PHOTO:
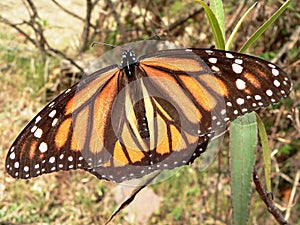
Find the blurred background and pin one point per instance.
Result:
(45, 47)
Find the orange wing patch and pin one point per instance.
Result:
(85, 93)
(62, 133)
(80, 127)
(162, 145)
(200, 93)
(135, 155)
(102, 107)
(176, 94)
(176, 138)
(252, 79)
(32, 149)
(69, 106)
(174, 64)
(216, 84)
(119, 156)
(120, 159)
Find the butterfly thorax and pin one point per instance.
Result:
(131, 76)
(128, 63)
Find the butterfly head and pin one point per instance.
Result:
(128, 62)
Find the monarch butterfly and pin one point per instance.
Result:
(158, 111)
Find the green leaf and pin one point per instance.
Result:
(266, 152)
(243, 140)
(265, 26)
(214, 25)
(218, 10)
(236, 28)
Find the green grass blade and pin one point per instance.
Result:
(218, 10)
(243, 141)
(217, 33)
(266, 152)
(262, 29)
(236, 28)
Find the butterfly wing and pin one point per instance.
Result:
(119, 129)
(54, 139)
(221, 84)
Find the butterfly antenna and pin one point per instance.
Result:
(105, 44)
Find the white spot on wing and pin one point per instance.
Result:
(43, 147)
(212, 60)
(271, 65)
(229, 55)
(38, 133)
(240, 101)
(257, 97)
(12, 156)
(269, 92)
(54, 122)
(52, 159)
(237, 68)
(52, 113)
(16, 165)
(214, 68)
(238, 61)
(38, 119)
(51, 104)
(275, 72)
(26, 169)
(276, 83)
(33, 129)
(240, 84)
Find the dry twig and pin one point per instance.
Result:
(40, 41)
(266, 197)
(288, 45)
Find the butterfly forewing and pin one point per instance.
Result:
(223, 85)
(158, 112)
(49, 143)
